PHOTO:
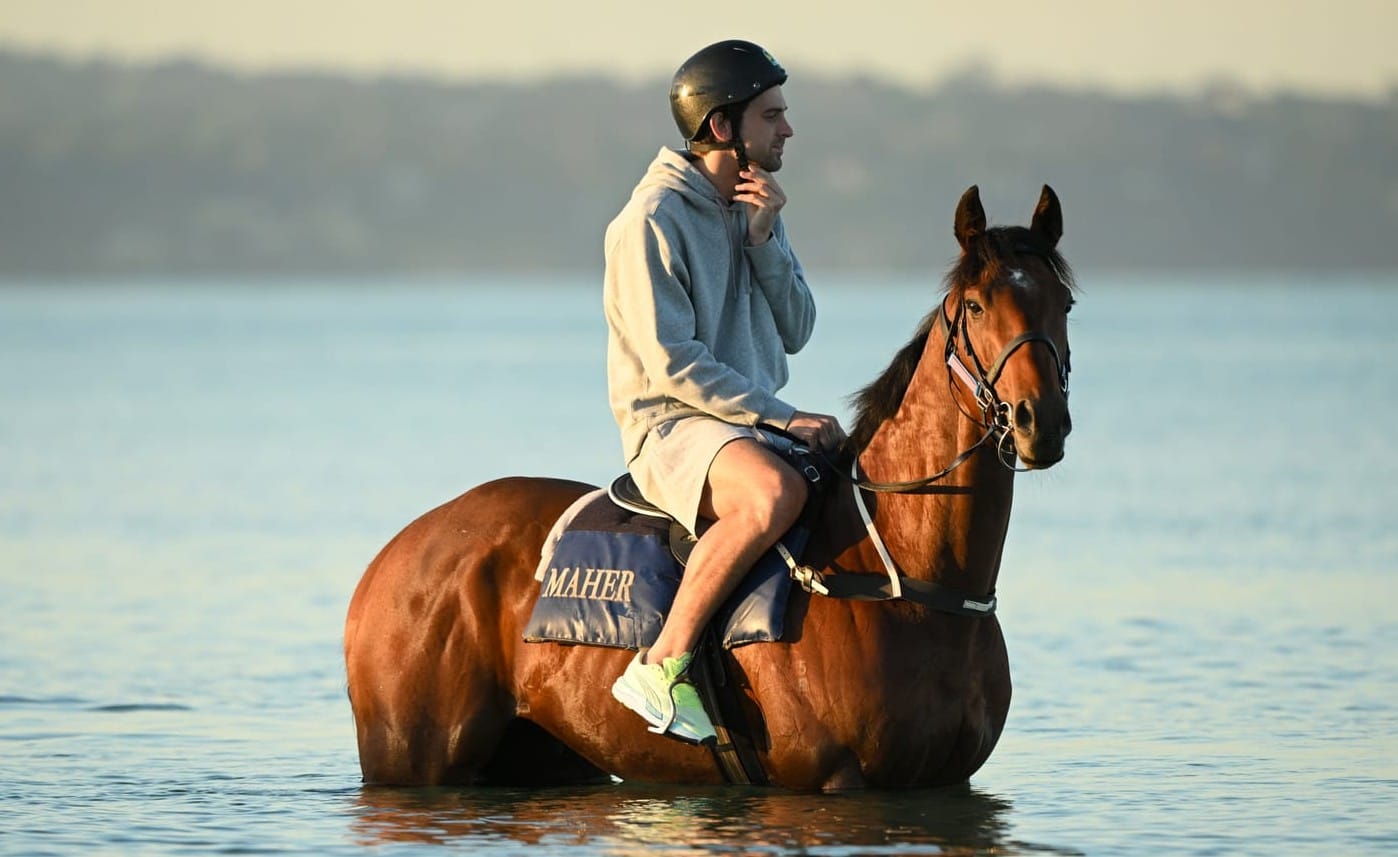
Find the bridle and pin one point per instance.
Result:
(996, 418)
(996, 415)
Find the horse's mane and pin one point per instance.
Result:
(984, 263)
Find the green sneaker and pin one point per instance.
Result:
(664, 698)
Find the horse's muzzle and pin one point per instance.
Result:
(1039, 428)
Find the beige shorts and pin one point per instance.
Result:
(673, 464)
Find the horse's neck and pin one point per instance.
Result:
(953, 538)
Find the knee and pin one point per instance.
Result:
(778, 503)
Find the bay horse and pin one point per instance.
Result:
(911, 691)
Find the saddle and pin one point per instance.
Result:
(612, 563)
(627, 494)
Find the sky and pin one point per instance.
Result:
(1325, 47)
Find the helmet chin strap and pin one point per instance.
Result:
(739, 148)
(739, 151)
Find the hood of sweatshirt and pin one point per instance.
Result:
(671, 170)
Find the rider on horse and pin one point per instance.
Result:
(704, 299)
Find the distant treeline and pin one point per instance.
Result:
(110, 169)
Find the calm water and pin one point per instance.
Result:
(1199, 601)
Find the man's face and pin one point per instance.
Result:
(765, 129)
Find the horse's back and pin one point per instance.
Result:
(433, 624)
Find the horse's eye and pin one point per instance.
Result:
(1069, 308)
(974, 307)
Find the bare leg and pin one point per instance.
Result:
(753, 498)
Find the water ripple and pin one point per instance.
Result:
(129, 707)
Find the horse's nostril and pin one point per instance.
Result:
(1024, 416)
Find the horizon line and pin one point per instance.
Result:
(1211, 85)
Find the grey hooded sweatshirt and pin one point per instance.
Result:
(698, 321)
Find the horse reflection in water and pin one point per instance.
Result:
(629, 819)
(895, 693)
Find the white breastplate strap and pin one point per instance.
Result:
(895, 580)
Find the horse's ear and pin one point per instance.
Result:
(970, 217)
(1048, 217)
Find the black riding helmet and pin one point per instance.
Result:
(724, 73)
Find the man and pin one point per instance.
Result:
(704, 299)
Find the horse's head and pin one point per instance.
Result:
(1006, 314)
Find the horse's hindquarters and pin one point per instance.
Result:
(434, 627)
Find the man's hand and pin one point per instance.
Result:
(765, 199)
(818, 431)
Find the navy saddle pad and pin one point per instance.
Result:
(611, 578)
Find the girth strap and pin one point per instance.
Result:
(734, 751)
(870, 587)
